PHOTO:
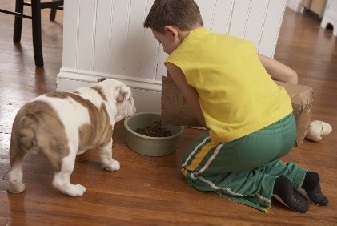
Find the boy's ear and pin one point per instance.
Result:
(172, 30)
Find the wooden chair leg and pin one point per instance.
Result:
(37, 32)
(18, 21)
(52, 15)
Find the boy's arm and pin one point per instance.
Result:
(278, 71)
(190, 94)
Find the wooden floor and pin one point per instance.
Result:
(151, 190)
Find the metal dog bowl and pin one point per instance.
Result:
(147, 145)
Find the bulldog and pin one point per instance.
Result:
(61, 125)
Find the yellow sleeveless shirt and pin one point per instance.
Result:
(236, 94)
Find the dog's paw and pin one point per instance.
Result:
(75, 190)
(113, 166)
(16, 188)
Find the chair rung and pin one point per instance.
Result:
(52, 5)
(48, 5)
(15, 14)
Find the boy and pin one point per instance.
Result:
(249, 118)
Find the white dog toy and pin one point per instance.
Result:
(317, 129)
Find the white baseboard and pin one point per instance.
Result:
(90, 77)
(147, 94)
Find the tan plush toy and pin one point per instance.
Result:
(318, 129)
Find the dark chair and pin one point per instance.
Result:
(36, 7)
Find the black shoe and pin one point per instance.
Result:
(311, 189)
(284, 193)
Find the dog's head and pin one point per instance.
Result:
(119, 94)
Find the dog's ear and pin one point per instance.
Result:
(101, 79)
(123, 93)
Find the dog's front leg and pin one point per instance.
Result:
(62, 178)
(108, 162)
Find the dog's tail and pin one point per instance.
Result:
(22, 141)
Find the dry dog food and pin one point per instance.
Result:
(155, 130)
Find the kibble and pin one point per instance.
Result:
(155, 130)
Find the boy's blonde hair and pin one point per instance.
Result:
(183, 14)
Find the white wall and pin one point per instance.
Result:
(332, 5)
(295, 5)
(105, 38)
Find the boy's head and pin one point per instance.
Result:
(183, 14)
(171, 20)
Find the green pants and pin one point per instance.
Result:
(244, 170)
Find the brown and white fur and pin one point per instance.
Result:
(61, 125)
